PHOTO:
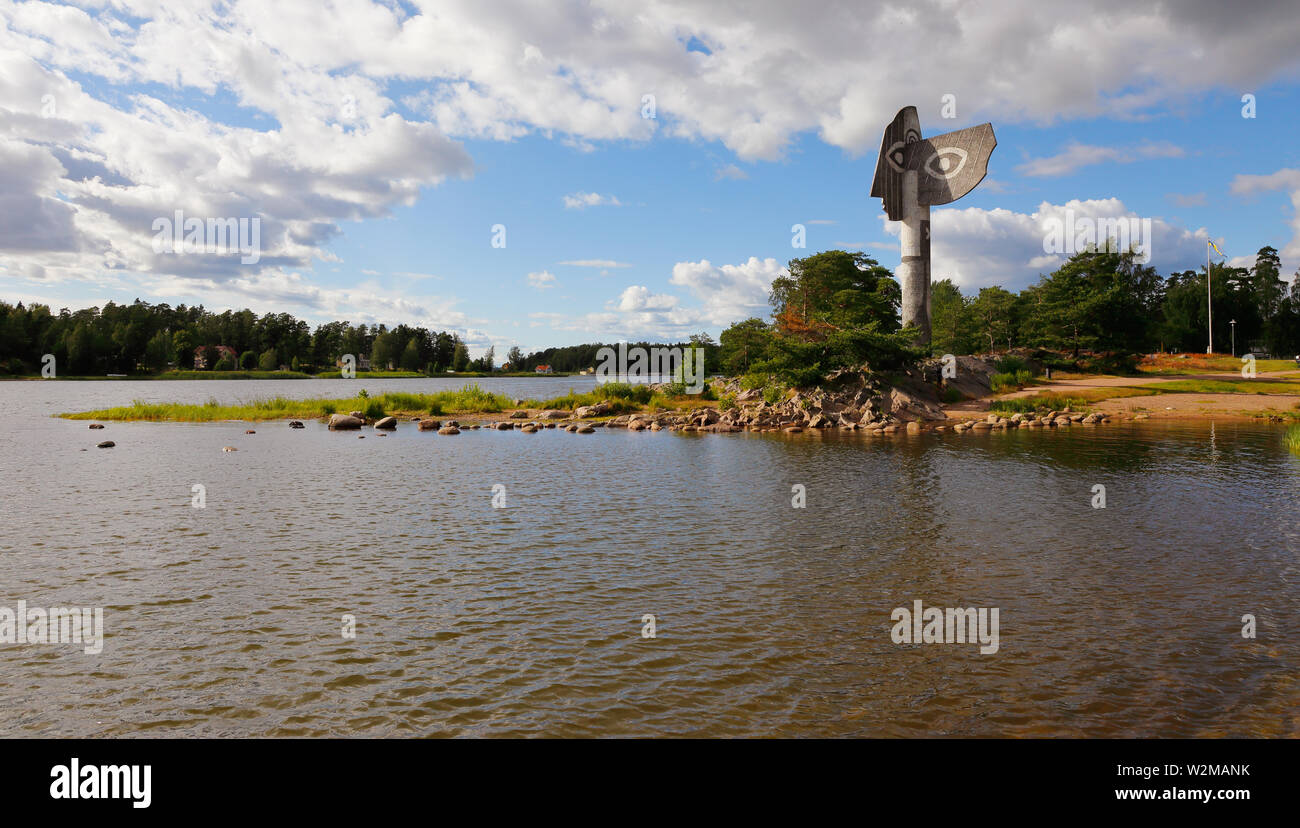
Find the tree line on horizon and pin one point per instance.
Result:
(143, 338)
(833, 310)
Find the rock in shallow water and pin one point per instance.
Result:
(105, 444)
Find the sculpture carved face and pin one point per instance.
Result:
(947, 166)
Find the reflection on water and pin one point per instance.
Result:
(526, 620)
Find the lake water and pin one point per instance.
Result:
(527, 620)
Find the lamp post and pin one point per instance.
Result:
(1233, 323)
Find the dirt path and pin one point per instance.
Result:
(1158, 405)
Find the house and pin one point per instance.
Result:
(543, 369)
(223, 351)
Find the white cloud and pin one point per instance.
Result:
(541, 280)
(1078, 155)
(581, 201)
(1284, 179)
(978, 248)
(603, 263)
(730, 171)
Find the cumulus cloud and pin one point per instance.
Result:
(346, 111)
(978, 248)
(581, 201)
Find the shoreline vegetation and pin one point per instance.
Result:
(280, 375)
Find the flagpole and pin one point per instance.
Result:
(1209, 311)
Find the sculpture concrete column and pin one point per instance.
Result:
(911, 175)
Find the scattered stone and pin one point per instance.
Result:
(386, 422)
(105, 444)
(359, 415)
(296, 424)
(250, 431)
(96, 425)
(229, 448)
(345, 421)
(529, 429)
(430, 425)
(449, 429)
(553, 414)
(519, 415)
(586, 430)
(600, 409)
(505, 426)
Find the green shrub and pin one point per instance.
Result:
(1011, 364)
(951, 395)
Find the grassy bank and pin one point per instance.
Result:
(470, 399)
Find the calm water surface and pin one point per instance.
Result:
(772, 621)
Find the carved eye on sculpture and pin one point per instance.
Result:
(946, 162)
(912, 136)
(895, 156)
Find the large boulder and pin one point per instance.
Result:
(449, 430)
(600, 409)
(519, 415)
(387, 422)
(430, 425)
(345, 421)
(105, 444)
(553, 414)
(296, 424)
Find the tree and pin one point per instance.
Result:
(743, 344)
(460, 356)
(158, 352)
(411, 356)
(1099, 299)
(268, 361)
(515, 357)
(993, 313)
(952, 323)
(834, 290)
(248, 360)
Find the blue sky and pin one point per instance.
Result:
(380, 144)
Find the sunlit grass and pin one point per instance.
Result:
(471, 399)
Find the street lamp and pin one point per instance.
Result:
(1233, 323)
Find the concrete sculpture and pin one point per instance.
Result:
(912, 174)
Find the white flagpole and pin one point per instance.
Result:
(1209, 312)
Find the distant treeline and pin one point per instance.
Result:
(141, 337)
(151, 339)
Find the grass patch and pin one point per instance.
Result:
(1049, 400)
(1241, 386)
(373, 375)
(471, 399)
(218, 375)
